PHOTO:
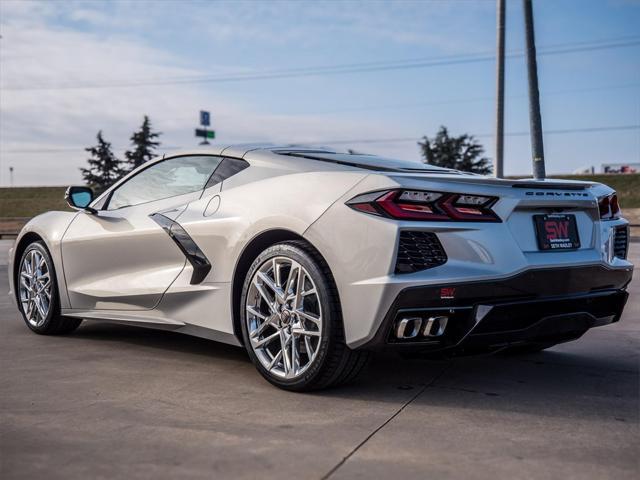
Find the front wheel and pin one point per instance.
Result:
(38, 293)
(291, 321)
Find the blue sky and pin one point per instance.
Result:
(69, 69)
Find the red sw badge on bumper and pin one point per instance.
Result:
(447, 292)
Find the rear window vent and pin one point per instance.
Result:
(621, 241)
(418, 251)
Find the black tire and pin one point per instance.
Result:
(335, 363)
(54, 323)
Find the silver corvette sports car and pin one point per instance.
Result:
(312, 259)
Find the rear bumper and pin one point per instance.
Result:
(535, 307)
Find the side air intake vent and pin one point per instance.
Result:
(419, 251)
(621, 242)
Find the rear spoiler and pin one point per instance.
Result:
(552, 185)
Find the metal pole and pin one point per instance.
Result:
(535, 121)
(498, 169)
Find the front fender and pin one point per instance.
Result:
(50, 227)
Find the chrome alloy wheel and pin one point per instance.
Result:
(284, 317)
(35, 288)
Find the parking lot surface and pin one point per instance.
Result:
(113, 401)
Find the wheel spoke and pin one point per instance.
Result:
(35, 262)
(265, 296)
(298, 292)
(307, 316)
(292, 280)
(295, 361)
(29, 310)
(26, 266)
(275, 359)
(285, 353)
(277, 291)
(45, 286)
(256, 313)
(302, 331)
(307, 344)
(263, 326)
(276, 273)
(33, 311)
(41, 262)
(40, 307)
(266, 340)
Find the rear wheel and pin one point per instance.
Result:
(38, 293)
(291, 321)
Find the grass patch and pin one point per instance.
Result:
(31, 201)
(627, 186)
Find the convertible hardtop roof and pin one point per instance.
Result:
(356, 160)
(292, 154)
(322, 154)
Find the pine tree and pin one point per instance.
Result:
(144, 144)
(461, 153)
(104, 168)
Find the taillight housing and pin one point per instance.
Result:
(609, 207)
(424, 205)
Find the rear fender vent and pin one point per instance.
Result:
(621, 241)
(419, 250)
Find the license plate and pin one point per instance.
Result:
(556, 232)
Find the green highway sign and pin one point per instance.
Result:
(200, 132)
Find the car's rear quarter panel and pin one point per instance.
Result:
(247, 208)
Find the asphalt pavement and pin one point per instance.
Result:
(113, 401)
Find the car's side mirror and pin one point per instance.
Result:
(79, 198)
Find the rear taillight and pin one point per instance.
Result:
(609, 207)
(426, 206)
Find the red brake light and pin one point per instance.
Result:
(427, 206)
(407, 210)
(609, 207)
(615, 207)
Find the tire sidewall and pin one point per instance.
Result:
(328, 312)
(54, 305)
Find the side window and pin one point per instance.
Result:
(228, 168)
(168, 178)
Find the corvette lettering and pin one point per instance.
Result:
(558, 194)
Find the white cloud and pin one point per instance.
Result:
(61, 122)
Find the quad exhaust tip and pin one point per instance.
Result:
(411, 327)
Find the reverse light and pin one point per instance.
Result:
(609, 207)
(426, 206)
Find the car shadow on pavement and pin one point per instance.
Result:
(157, 339)
(559, 382)
(547, 384)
